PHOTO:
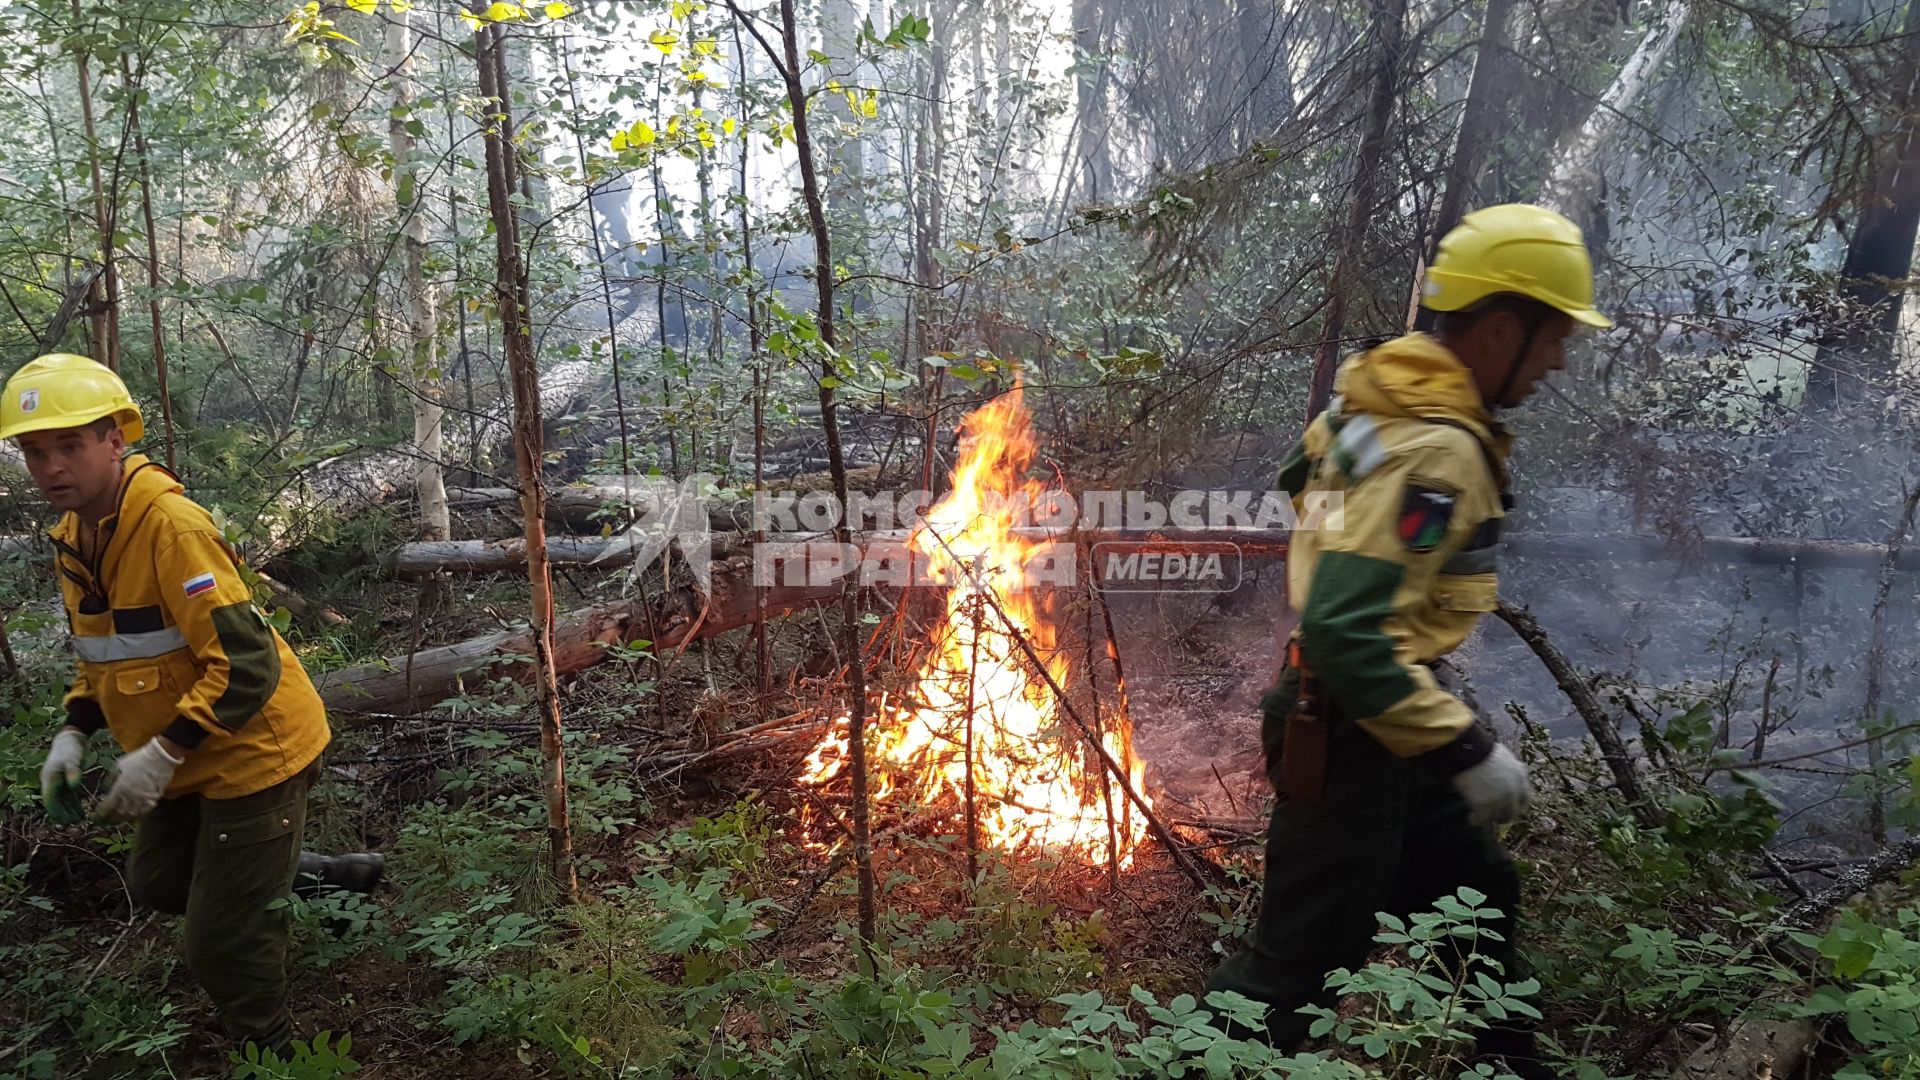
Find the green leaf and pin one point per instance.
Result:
(364, 7)
(1850, 955)
(558, 10)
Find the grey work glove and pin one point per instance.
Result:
(60, 778)
(1496, 790)
(141, 777)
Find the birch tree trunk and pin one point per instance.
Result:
(424, 378)
(1572, 187)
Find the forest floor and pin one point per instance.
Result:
(711, 884)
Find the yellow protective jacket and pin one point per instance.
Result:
(1400, 573)
(167, 641)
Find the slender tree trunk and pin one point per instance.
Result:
(762, 660)
(660, 216)
(1003, 96)
(703, 176)
(473, 448)
(1857, 354)
(1470, 145)
(845, 188)
(836, 461)
(1573, 186)
(1264, 60)
(106, 291)
(1877, 659)
(932, 176)
(1387, 19)
(424, 379)
(927, 163)
(511, 294)
(49, 340)
(1096, 166)
(134, 90)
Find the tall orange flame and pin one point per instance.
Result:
(1036, 781)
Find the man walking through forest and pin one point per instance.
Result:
(1389, 785)
(220, 726)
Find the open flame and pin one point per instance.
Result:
(1036, 781)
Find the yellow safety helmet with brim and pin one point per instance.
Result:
(66, 390)
(1514, 249)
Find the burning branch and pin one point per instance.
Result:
(1158, 827)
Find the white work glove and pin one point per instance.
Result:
(141, 777)
(60, 777)
(1496, 789)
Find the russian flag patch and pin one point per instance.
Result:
(194, 586)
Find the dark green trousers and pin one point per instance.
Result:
(1386, 837)
(221, 862)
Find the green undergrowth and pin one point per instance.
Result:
(720, 944)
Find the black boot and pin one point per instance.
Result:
(1512, 1048)
(357, 873)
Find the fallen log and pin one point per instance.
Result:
(802, 570)
(590, 508)
(382, 687)
(421, 558)
(352, 483)
(578, 505)
(1889, 863)
(580, 640)
(1755, 1046)
(1737, 550)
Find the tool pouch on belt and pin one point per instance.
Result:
(1302, 776)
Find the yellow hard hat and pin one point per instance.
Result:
(1514, 248)
(64, 390)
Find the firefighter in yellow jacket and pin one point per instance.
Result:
(1389, 785)
(219, 726)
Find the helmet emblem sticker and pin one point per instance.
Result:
(30, 399)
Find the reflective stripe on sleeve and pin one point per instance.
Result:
(141, 646)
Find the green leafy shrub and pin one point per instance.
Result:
(1880, 1000)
